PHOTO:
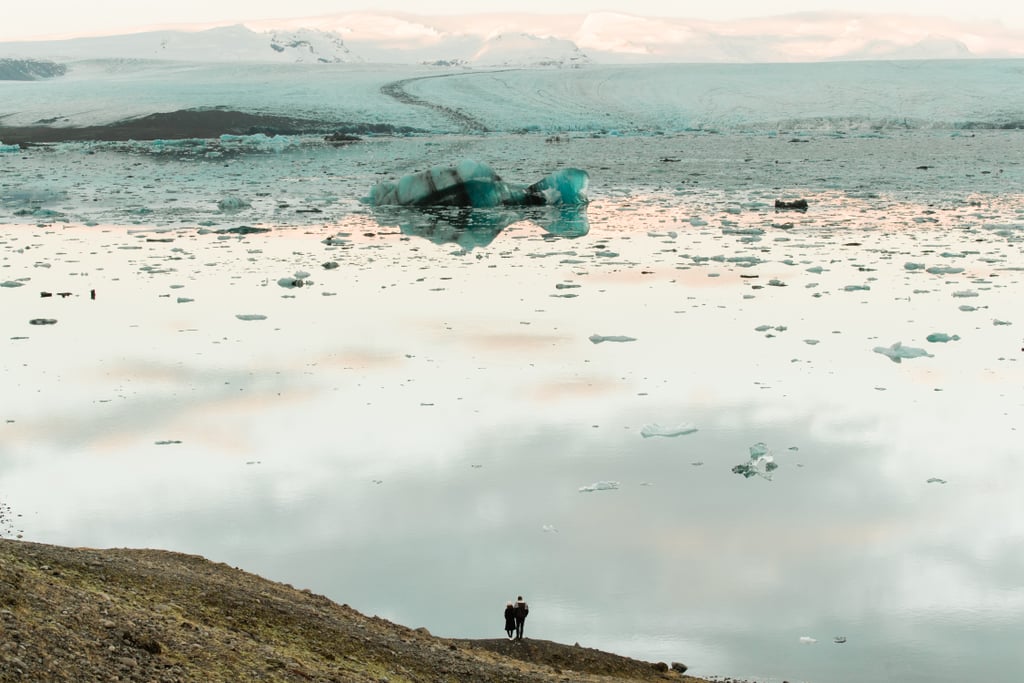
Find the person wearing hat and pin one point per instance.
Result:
(521, 610)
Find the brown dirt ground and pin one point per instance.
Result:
(79, 614)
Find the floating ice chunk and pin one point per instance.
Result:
(807, 640)
(11, 283)
(761, 463)
(565, 186)
(856, 288)
(250, 316)
(185, 300)
(967, 308)
(656, 429)
(811, 342)
(965, 294)
(42, 321)
(600, 486)
(475, 184)
(549, 528)
(944, 270)
(897, 352)
(229, 204)
(913, 266)
(839, 640)
(942, 337)
(598, 338)
(997, 321)
(936, 480)
(258, 142)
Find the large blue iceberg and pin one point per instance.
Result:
(474, 184)
(469, 204)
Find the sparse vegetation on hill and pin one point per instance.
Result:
(76, 614)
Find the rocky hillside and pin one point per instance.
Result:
(75, 614)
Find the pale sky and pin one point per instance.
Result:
(25, 19)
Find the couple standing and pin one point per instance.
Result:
(515, 617)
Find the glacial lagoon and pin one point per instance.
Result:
(425, 414)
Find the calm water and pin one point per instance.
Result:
(409, 433)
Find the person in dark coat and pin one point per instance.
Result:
(510, 619)
(521, 610)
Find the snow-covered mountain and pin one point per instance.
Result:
(523, 49)
(548, 40)
(222, 44)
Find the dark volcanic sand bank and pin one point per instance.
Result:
(191, 123)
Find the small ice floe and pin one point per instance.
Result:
(250, 316)
(967, 309)
(998, 322)
(549, 528)
(600, 486)
(811, 342)
(936, 480)
(655, 429)
(856, 288)
(965, 294)
(42, 321)
(913, 266)
(898, 352)
(232, 204)
(761, 463)
(329, 265)
(11, 283)
(942, 337)
(185, 300)
(299, 279)
(599, 338)
(944, 270)
(807, 640)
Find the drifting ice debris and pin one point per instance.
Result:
(897, 352)
(549, 528)
(761, 463)
(965, 294)
(839, 640)
(942, 337)
(233, 204)
(997, 321)
(599, 338)
(913, 266)
(11, 283)
(9, 149)
(936, 480)
(600, 486)
(474, 184)
(807, 640)
(944, 270)
(250, 316)
(795, 205)
(656, 429)
(42, 321)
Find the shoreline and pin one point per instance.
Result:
(190, 123)
(143, 614)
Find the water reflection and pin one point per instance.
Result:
(471, 228)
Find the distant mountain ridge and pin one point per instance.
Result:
(547, 40)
